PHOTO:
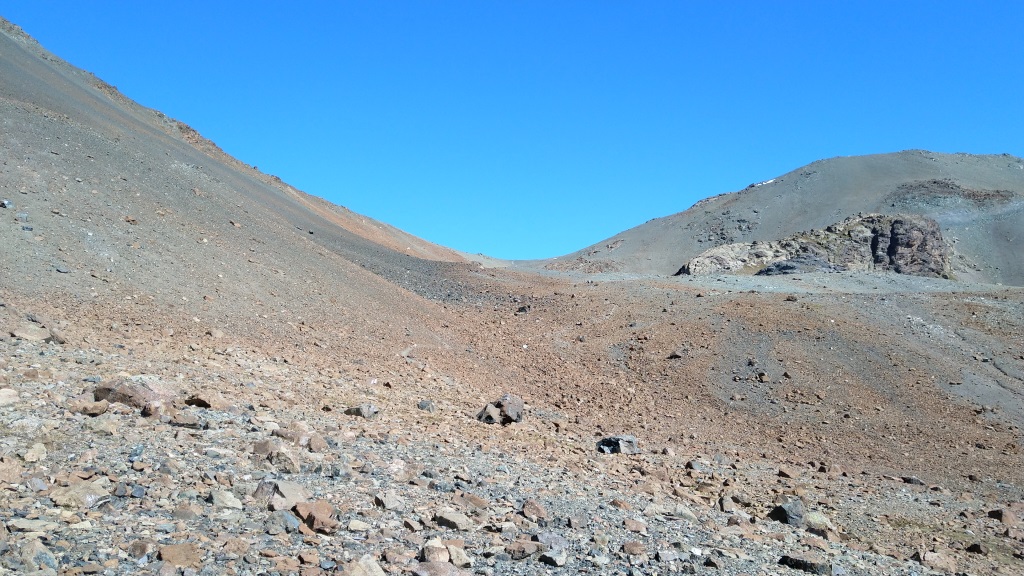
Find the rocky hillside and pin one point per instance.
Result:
(903, 244)
(204, 372)
(978, 202)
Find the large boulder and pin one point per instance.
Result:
(624, 444)
(906, 244)
(505, 410)
(137, 392)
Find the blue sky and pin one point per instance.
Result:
(532, 129)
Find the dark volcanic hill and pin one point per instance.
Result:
(978, 202)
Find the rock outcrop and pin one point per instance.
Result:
(906, 244)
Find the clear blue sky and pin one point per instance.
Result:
(532, 129)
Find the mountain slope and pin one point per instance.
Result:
(136, 255)
(978, 200)
(40, 87)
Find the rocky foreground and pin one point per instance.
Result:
(205, 370)
(112, 463)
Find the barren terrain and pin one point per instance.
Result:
(206, 371)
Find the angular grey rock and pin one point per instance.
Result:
(365, 566)
(225, 499)
(667, 555)
(552, 540)
(37, 557)
(80, 495)
(938, 561)
(556, 557)
(282, 521)
(809, 565)
(434, 551)
(389, 500)
(790, 512)
(280, 494)
(453, 519)
(505, 410)
(26, 525)
(818, 524)
(624, 444)
(32, 333)
(367, 411)
(458, 557)
(135, 393)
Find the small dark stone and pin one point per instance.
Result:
(696, 466)
(806, 565)
(427, 406)
(978, 548)
(712, 562)
(138, 491)
(367, 411)
(913, 480)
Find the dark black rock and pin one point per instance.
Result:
(799, 265)
(624, 444)
(806, 565)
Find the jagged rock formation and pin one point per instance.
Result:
(905, 244)
(978, 200)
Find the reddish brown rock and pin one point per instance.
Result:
(319, 515)
(634, 548)
(133, 393)
(534, 511)
(1005, 515)
(208, 399)
(634, 526)
(90, 408)
(936, 561)
(186, 555)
